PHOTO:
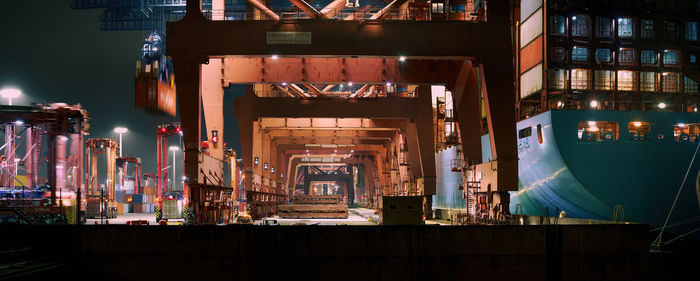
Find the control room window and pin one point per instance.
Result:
(580, 26)
(626, 80)
(604, 27)
(671, 30)
(604, 80)
(671, 58)
(437, 8)
(691, 31)
(670, 82)
(686, 132)
(579, 54)
(524, 133)
(647, 29)
(557, 79)
(649, 81)
(649, 57)
(603, 55)
(558, 55)
(639, 130)
(557, 25)
(626, 56)
(690, 86)
(625, 28)
(597, 131)
(580, 79)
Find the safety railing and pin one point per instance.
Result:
(341, 14)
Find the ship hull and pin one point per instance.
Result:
(589, 179)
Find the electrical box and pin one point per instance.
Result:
(402, 210)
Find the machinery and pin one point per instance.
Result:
(316, 207)
(50, 128)
(169, 203)
(101, 201)
(131, 181)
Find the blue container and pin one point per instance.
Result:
(120, 196)
(137, 198)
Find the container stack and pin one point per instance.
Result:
(127, 202)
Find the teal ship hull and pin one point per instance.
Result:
(587, 179)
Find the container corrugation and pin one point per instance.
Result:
(119, 196)
(126, 208)
(137, 198)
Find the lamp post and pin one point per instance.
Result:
(10, 93)
(120, 131)
(174, 149)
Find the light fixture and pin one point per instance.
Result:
(591, 123)
(274, 57)
(10, 93)
(681, 125)
(120, 131)
(272, 170)
(349, 84)
(388, 84)
(637, 124)
(662, 105)
(174, 148)
(284, 84)
(594, 103)
(560, 104)
(19, 122)
(256, 161)
(402, 59)
(573, 18)
(265, 166)
(593, 129)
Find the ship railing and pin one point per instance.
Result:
(339, 14)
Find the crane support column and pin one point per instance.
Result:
(188, 80)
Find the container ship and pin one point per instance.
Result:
(607, 100)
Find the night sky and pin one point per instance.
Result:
(56, 54)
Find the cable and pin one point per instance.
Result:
(657, 241)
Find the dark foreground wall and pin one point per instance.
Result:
(566, 252)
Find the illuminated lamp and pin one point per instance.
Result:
(214, 136)
(637, 124)
(662, 105)
(265, 166)
(256, 161)
(594, 103)
(402, 59)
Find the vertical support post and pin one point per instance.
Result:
(467, 98)
(51, 170)
(426, 143)
(189, 99)
(213, 103)
(244, 111)
(29, 163)
(61, 162)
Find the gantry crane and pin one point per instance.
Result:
(101, 197)
(165, 194)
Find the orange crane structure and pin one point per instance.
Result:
(358, 85)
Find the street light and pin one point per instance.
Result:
(174, 148)
(10, 93)
(120, 131)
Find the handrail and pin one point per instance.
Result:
(338, 14)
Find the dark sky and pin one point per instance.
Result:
(56, 54)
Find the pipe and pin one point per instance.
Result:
(265, 9)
